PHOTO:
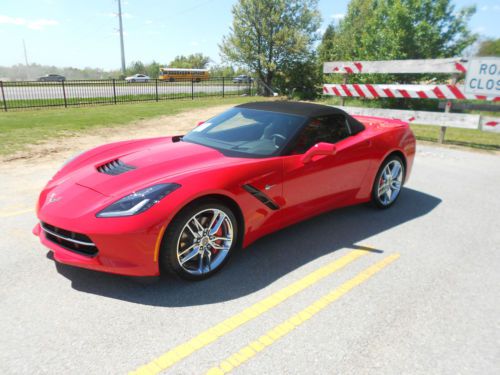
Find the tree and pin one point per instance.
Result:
(489, 47)
(402, 29)
(153, 69)
(135, 67)
(327, 46)
(194, 61)
(270, 37)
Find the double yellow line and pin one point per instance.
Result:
(209, 336)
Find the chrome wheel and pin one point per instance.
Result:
(204, 241)
(390, 181)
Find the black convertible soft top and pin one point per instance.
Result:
(294, 108)
(303, 109)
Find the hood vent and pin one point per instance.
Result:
(115, 167)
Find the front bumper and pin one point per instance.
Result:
(131, 254)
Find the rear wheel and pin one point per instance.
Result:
(388, 182)
(199, 241)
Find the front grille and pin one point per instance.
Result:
(115, 167)
(76, 242)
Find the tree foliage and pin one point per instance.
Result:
(272, 37)
(327, 46)
(138, 67)
(194, 61)
(489, 47)
(400, 29)
(227, 71)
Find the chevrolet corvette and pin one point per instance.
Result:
(183, 204)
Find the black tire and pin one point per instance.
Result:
(376, 200)
(169, 261)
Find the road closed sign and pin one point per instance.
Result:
(483, 76)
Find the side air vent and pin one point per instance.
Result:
(115, 167)
(261, 196)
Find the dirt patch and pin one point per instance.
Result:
(65, 146)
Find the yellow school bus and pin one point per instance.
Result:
(179, 74)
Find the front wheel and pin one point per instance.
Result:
(199, 241)
(388, 182)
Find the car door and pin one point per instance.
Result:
(327, 181)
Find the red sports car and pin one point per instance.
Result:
(183, 204)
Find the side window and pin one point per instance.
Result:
(330, 129)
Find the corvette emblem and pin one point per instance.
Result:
(53, 198)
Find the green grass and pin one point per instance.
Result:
(461, 137)
(22, 128)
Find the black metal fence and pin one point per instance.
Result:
(33, 94)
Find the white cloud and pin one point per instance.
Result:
(486, 8)
(148, 22)
(38, 24)
(195, 44)
(479, 30)
(337, 16)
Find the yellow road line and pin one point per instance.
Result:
(15, 213)
(273, 335)
(211, 335)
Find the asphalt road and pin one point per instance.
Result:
(55, 90)
(431, 307)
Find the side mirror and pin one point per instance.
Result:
(321, 148)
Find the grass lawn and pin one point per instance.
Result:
(456, 136)
(18, 129)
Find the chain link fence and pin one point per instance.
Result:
(34, 94)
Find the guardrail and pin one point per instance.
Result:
(34, 94)
(450, 92)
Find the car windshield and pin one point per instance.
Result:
(247, 132)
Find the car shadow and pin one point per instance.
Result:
(263, 262)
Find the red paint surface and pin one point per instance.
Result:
(127, 244)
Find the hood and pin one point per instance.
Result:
(133, 166)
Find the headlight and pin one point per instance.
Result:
(139, 201)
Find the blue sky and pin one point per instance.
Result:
(83, 33)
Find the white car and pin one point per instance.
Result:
(138, 78)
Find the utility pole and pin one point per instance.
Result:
(25, 54)
(121, 35)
